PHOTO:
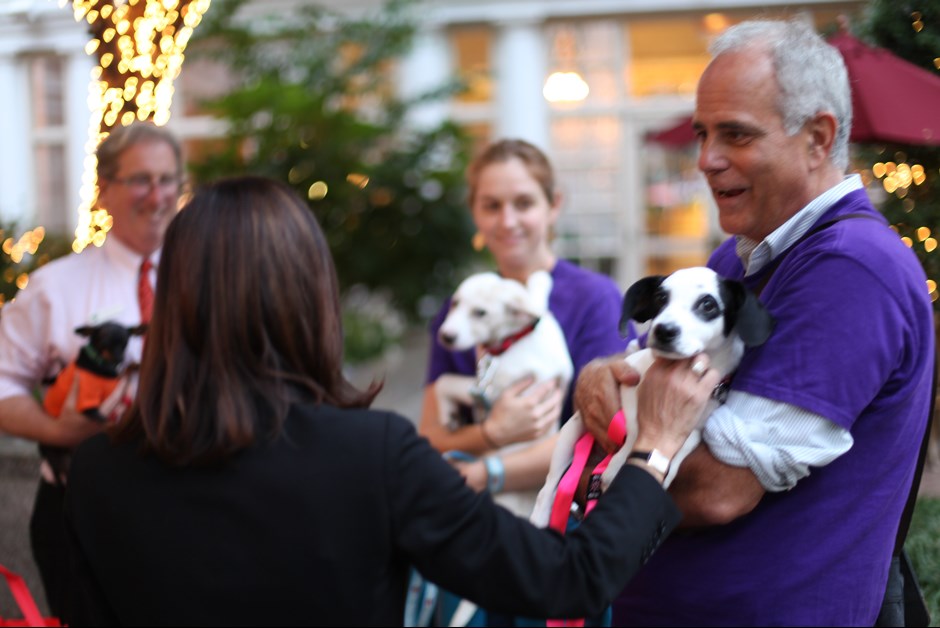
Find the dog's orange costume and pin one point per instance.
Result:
(93, 389)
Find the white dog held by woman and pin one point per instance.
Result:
(516, 336)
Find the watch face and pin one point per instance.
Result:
(654, 458)
(658, 461)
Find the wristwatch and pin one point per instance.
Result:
(654, 459)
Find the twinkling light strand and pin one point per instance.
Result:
(139, 45)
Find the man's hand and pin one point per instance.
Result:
(597, 395)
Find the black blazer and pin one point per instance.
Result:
(320, 526)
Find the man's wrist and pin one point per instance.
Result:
(653, 458)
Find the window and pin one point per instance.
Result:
(47, 97)
(472, 53)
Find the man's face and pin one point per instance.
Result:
(759, 175)
(142, 195)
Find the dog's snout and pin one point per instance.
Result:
(447, 339)
(665, 333)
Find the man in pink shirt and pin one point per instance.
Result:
(140, 174)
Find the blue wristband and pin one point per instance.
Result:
(495, 474)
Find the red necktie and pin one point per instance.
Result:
(145, 292)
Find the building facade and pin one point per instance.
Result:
(589, 81)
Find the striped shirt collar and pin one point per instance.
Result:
(756, 255)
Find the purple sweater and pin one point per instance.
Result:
(587, 306)
(854, 343)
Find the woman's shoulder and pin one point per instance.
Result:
(362, 424)
(97, 460)
(578, 289)
(569, 276)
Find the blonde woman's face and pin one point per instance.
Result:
(514, 217)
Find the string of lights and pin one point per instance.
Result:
(139, 45)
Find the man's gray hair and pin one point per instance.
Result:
(810, 73)
(123, 137)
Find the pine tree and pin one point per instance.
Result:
(910, 30)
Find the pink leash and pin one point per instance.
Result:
(564, 495)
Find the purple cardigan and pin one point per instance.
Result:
(587, 306)
(854, 343)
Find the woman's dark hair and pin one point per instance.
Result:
(246, 321)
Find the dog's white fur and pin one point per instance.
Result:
(680, 328)
(486, 309)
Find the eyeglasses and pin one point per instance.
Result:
(142, 184)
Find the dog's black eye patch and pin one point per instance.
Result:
(660, 298)
(707, 308)
(478, 312)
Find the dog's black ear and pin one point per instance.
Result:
(140, 330)
(745, 314)
(639, 303)
(85, 330)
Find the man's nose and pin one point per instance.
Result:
(711, 157)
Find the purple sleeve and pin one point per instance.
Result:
(587, 306)
(832, 354)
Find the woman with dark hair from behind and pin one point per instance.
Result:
(250, 484)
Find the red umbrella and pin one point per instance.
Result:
(675, 136)
(893, 100)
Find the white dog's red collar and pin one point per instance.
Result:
(503, 345)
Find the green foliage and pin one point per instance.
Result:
(911, 30)
(370, 323)
(923, 546)
(23, 252)
(908, 28)
(313, 107)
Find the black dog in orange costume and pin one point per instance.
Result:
(98, 369)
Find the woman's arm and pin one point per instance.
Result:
(522, 413)
(524, 469)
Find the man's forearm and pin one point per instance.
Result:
(710, 492)
(22, 416)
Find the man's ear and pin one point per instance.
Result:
(821, 133)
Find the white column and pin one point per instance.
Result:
(15, 155)
(632, 217)
(429, 65)
(77, 77)
(519, 61)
